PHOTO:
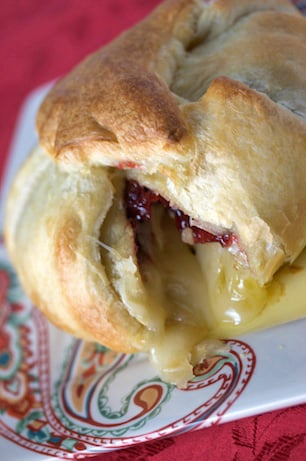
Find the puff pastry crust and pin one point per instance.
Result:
(204, 102)
(208, 101)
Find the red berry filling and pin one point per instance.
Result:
(138, 203)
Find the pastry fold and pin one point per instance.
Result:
(203, 103)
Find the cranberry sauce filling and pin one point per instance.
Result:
(138, 203)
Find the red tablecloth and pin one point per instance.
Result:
(41, 40)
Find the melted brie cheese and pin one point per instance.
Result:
(199, 295)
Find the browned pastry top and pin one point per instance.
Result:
(125, 103)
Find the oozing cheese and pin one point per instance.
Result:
(202, 296)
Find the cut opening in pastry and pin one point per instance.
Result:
(166, 239)
(182, 283)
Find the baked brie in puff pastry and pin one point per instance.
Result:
(165, 206)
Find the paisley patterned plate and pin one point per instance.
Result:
(59, 395)
(62, 397)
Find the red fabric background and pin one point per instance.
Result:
(41, 40)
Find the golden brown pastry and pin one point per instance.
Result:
(203, 103)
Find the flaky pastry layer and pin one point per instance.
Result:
(53, 232)
(205, 102)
